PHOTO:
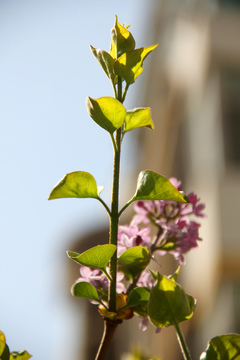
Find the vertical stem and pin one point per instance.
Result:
(114, 222)
(109, 329)
(182, 343)
(114, 211)
(111, 325)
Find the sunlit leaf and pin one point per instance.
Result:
(106, 61)
(129, 64)
(78, 184)
(2, 337)
(121, 39)
(20, 355)
(133, 261)
(84, 289)
(168, 303)
(97, 256)
(107, 112)
(152, 186)
(139, 117)
(223, 347)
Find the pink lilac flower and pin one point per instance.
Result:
(99, 280)
(132, 235)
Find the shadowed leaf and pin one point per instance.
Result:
(133, 261)
(168, 303)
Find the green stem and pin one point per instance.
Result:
(125, 92)
(114, 211)
(125, 206)
(182, 343)
(105, 205)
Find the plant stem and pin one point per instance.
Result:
(111, 325)
(109, 329)
(182, 343)
(114, 225)
(114, 211)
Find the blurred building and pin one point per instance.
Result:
(192, 84)
(193, 87)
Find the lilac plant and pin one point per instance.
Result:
(118, 276)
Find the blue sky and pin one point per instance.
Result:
(46, 73)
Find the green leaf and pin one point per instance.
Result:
(138, 296)
(122, 40)
(139, 117)
(168, 303)
(97, 256)
(223, 347)
(2, 337)
(152, 186)
(129, 64)
(133, 261)
(84, 289)
(4, 351)
(78, 184)
(20, 355)
(106, 61)
(107, 112)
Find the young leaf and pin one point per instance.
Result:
(84, 289)
(122, 40)
(107, 112)
(78, 184)
(133, 261)
(129, 64)
(152, 186)
(223, 347)
(97, 256)
(20, 355)
(138, 118)
(106, 61)
(168, 303)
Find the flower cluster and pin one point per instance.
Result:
(176, 233)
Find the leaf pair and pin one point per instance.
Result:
(97, 257)
(110, 114)
(132, 262)
(150, 186)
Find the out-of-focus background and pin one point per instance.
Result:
(192, 84)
